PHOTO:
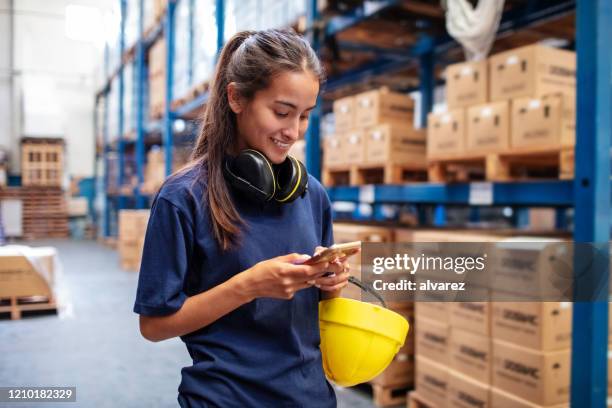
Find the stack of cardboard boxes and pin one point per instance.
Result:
(522, 99)
(374, 128)
(132, 229)
(155, 169)
(400, 373)
(500, 354)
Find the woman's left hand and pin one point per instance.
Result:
(338, 280)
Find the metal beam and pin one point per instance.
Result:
(554, 193)
(512, 20)
(141, 79)
(357, 15)
(313, 138)
(592, 209)
(168, 117)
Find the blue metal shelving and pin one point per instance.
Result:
(589, 194)
(144, 127)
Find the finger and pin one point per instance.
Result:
(336, 267)
(332, 280)
(309, 272)
(292, 258)
(333, 288)
(302, 285)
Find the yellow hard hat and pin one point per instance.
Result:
(358, 339)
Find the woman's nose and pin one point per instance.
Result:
(293, 131)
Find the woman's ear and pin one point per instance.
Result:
(234, 99)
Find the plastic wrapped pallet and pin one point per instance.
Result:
(181, 80)
(27, 271)
(204, 40)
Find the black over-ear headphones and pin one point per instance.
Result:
(252, 174)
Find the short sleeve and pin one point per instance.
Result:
(168, 248)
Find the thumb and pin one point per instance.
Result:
(293, 258)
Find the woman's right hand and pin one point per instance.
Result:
(280, 277)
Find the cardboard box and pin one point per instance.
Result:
(488, 127)
(544, 326)
(446, 134)
(474, 317)
(439, 311)
(432, 340)
(539, 377)
(502, 399)
(132, 230)
(394, 143)
(470, 354)
(28, 272)
(399, 373)
(532, 71)
(344, 114)
(431, 381)
(334, 151)
(446, 235)
(464, 392)
(380, 106)
(549, 121)
(346, 232)
(537, 268)
(355, 148)
(466, 84)
(132, 224)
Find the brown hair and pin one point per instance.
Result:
(250, 59)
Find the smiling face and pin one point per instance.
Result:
(276, 117)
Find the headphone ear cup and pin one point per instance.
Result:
(292, 180)
(251, 173)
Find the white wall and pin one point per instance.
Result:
(5, 76)
(54, 90)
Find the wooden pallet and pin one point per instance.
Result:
(42, 161)
(390, 396)
(503, 166)
(17, 307)
(388, 173)
(415, 401)
(337, 176)
(45, 213)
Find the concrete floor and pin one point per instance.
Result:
(94, 343)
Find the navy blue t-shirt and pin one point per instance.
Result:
(264, 353)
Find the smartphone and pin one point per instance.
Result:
(333, 252)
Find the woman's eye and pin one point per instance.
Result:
(282, 114)
(304, 117)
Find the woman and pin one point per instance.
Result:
(221, 267)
